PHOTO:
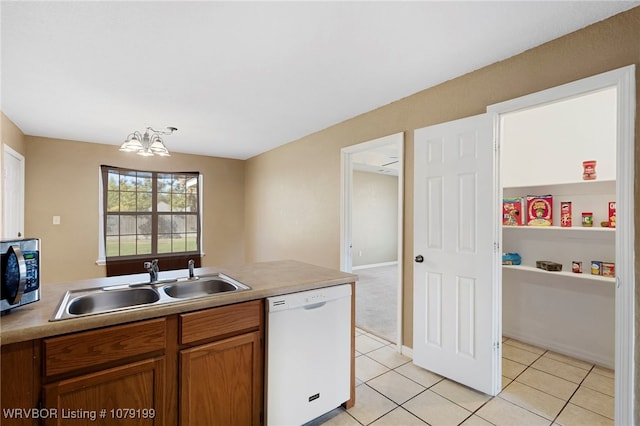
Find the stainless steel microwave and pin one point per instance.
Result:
(20, 267)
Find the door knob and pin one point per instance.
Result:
(419, 258)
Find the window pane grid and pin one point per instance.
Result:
(137, 219)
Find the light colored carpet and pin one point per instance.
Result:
(377, 301)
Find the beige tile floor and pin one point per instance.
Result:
(539, 388)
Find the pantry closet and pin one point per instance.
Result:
(585, 316)
(542, 150)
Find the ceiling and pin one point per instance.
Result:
(240, 78)
(383, 159)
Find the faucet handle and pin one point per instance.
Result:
(191, 264)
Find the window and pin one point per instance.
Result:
(150, 213)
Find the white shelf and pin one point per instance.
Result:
(583, 276)
(589, 185)
(563, 228)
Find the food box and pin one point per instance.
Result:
(539, 210)
(512, 211)
(612, 214)
(511, 259)
(596, 267)
(548, 265)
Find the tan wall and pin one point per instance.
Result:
(62, 179)
(293, 192)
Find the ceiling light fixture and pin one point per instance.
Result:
(148, 144)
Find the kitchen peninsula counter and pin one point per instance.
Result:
(266, 279)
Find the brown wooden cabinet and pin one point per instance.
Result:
(132, 394)
(221, 381)
(113, 375)
(19, 384)
(199, 368)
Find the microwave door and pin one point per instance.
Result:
(15, 275)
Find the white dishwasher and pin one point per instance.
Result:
(308, 354)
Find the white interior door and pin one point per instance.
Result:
(457, 299)
(13, 193)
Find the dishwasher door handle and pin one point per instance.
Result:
(315, 305)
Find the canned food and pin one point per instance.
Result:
(612, 214)
(576, 267)
(589, 170)
(608, 269)
(565, 214)
(596, 267)
(587, 218)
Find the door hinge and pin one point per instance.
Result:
(496, 345)
(496, 247)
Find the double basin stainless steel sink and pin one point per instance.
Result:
(101, 300)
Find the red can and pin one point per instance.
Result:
(565, 214)
(589, 170)
(612, 214)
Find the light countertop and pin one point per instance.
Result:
(266, 279)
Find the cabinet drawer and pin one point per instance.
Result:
(222, 321)
(97, 347)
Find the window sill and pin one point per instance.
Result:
(103, 262)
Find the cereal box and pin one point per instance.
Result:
(512, 211)
(539, 210)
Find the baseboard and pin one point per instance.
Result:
(374, 265)
(571, 351)
(407, 351)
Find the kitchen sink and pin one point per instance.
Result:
(199, 288)
(106, 301)
(103, 300)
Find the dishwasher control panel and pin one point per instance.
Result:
(307, 299)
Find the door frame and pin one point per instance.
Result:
(7, 150)
(624, 80)
(346, 209)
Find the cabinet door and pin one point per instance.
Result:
(221, 382)
(18, 384)
(131, 394)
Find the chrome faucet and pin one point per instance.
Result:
(152, 268)
(191, 265)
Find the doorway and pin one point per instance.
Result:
(13, 194)
(620, 177)
(371, 232)
(427, 288)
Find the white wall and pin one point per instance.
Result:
(375, 218)
(547, 144)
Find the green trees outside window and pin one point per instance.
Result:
(150, 213)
